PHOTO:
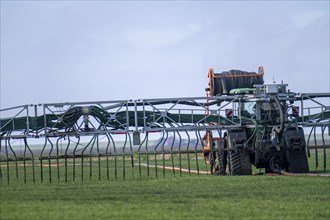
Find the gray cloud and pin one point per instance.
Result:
(84, 51)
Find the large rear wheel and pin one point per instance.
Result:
(222, 163)
(297, 161)
(221, 168)
(239, 163)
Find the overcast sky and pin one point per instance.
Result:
(88, 51)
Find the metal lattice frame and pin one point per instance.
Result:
(124, 139)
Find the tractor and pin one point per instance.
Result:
(269, 136)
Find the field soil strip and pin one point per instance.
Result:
(305, 174)
(173, 168)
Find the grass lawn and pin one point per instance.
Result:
(247, 197)
(172, 197)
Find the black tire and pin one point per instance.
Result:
(297, 161)
(239, 163)
(222, 159)
(211, 160)
(222, 163)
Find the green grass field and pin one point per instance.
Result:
(173, 197)
(204, 197)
